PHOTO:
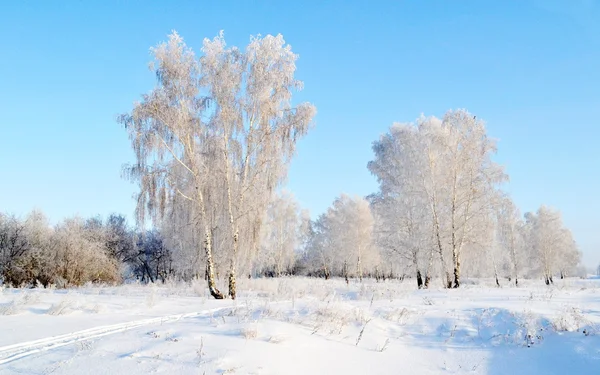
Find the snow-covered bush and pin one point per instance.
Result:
(75, 258)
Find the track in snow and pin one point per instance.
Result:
(14, 352)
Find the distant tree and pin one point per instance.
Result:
(36, 265)
(305, 234)
(14, 245)
(76, 256)
(153, 261)
(320, 258)
(343, 242)
(551, 244)
(401, 207)
(281, 236)
(445, 167)
(510, 235)
(119, 238)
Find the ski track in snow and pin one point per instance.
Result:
(15, 352)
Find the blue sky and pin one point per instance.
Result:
(530, 68)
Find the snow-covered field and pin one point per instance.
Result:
(303, 326)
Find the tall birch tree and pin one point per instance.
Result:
(218, 132)
(445, 167)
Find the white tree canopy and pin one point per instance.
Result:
(217, 132)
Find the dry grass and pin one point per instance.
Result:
(63, 307)
(249, 332)
(10, 308)
(277, 339)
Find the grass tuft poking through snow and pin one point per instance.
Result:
(61, 308)
(249, 333)
(10, 308)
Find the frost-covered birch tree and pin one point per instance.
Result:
(217, 132)
(344, 243)
(445, 167)
(252, 93)
(553, 249)
(281, 237)
(403, 225)
(468, 180)
(510, 236)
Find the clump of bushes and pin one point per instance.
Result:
(72, 253)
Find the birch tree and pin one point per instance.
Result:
(320, 257)
(281, 236)
(510, 235)
(217, 132)
(446, 164)
(552, 246)
(403, 221)
(471, 179)
(344, 243)
(496, 252)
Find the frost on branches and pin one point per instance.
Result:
(213, 140)
(439, 208)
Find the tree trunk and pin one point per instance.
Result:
(210, 267)
(345, 272)
(427, 281)
(515, 263)
(232, 291)
(441, 252)
(448, 280)
(416, 263)
(456, 262)
(419, 280)
(148, 272)
(429, 268)
(445, 272)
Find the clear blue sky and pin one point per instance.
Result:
(530, 68)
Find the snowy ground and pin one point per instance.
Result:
(303, 326)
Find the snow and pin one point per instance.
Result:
(303, 326)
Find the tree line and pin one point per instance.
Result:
(441, 212)
(351, 240)
(212, 144)
(78, 251)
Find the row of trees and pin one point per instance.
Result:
(512, 247)
(348, 241)
(69, 254)
(78, 251)
(440, 211)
